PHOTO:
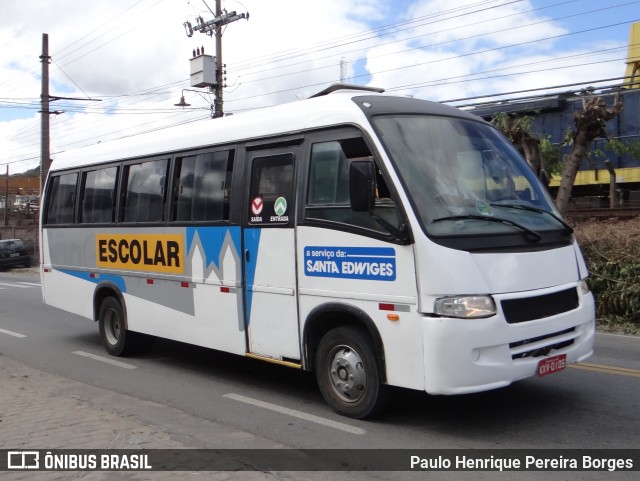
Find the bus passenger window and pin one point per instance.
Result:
(328, 188)
(62, 198)
(97, 196)
(144, 196)
(202, 184)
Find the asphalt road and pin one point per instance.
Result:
(593, 405)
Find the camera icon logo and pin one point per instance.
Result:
(23, 460)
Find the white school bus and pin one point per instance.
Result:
(376, 240)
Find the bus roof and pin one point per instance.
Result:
(331, 107)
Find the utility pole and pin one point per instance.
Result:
(217, 104)
(211, 28)
(6, 198)
(45, 152)
(45, 98)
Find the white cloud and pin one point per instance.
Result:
(286, 50)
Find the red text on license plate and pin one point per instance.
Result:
(552, 364)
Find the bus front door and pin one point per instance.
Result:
(269, 257)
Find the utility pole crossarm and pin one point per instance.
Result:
(223, 19)
(211, 28)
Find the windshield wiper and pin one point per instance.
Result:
(567, 228)
(531, 235)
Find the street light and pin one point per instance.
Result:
(182, 102)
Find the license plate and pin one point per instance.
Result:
(15, 254)
(552, 364)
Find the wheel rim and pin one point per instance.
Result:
(347, 373)
(112, 327)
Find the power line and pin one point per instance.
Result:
(108, 41)
(433, 61)
(538, 89)
(449, 81)
(94, 30)
(321, 46)
(467, 38)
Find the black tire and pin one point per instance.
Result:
(347, 373)
(27, 263)
(117, 340)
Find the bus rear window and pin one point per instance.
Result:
(62, 199)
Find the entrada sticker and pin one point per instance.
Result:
(280, 206)
(280, 209)
(370, 263)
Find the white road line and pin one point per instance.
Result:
(296, 414)
(14, 285)
(105, 359)
(11, 333)
(36, 284)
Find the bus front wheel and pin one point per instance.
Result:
(115, 337)
(348, 374)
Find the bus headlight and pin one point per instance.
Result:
(466, 307)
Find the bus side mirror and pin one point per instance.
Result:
(361, 185)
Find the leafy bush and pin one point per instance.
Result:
(612, 252)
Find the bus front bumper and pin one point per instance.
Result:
(471, 355)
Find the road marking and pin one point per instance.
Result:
(620, 371)
(35, 284)
(11, 333)
(296, 414)
(105, 359)
(14, 285)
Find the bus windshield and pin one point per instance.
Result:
(465, 179)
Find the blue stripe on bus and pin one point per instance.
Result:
(251, 244)
(85, 276)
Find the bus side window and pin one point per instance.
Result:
(97, 204)
(146, 187)
(202, 185)
(62, 199)
(328, 187)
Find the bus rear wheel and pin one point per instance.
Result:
(117, 340)
(347, 373)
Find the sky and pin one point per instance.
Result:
(132, 57)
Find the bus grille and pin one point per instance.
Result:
(538, 307)
(542, 345)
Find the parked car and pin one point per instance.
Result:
(14, 253)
